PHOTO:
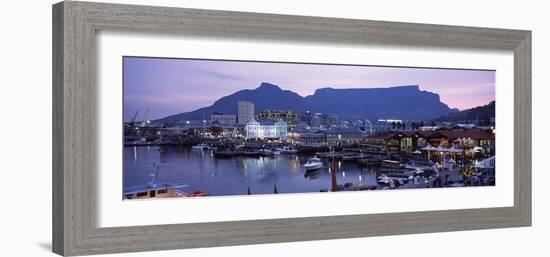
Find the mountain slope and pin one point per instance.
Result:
(481, 113)
(403, 102)
(266, 96)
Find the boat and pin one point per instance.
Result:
(199, 193)
(313, 164)
(223, 152)
(265, 152)
(371, 160)
(386, 180)
(401, 178)
(251, 153)
(337, 155)
(201, 147)
(287, 150)
(422, 163)
(352, 157)
(391, 166)
(154, 189)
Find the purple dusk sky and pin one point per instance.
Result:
(171, 86)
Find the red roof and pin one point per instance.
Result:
(413, 133)
(472, 134)
(451, 134)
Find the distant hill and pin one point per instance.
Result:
(402, 102)
(481, 113)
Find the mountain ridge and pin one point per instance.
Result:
(351, 103)
(482, 113)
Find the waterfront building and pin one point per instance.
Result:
(316, 121)
(223, 119)
(376, 127)
(468, 139)
(306, 117)
(245, 112)
(410, 141)
(290, 117)
(332, 121)
(313, 139)
(266, 129)
(343, 136)
(298, 131)
(386, 142)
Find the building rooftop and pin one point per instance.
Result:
(451, 134)
(269, 122)
(472, 134)
(344, 130)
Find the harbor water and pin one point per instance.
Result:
(201, 171)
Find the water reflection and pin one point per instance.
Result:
(233, 176)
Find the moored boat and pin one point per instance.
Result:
(251, 153)
(391, 166)
(153, 189)
(265, 152)
(223, 152)
(287, 150)
(369, 161)
(313, 164)
(201, 147)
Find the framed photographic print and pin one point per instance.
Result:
(183, 128)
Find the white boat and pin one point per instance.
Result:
(287, 149)
(391, 166)
(153, 189)
(266, 152)
(313, 164)
(201, 147)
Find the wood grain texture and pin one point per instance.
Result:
(75, 25)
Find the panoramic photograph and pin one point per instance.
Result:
(203, 128)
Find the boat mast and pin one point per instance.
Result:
(334, 182)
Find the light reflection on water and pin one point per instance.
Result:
(232, 176)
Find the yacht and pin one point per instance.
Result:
(201, 147)
(153, 189)
(225, 152)
(287, 149)
(161, 190)
(313, 164)
(391, 166)
(422, 163)
(265, 152)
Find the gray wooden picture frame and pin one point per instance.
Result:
(75, 25)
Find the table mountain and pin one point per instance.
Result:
(401, 102)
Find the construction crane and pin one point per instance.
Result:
(133, 121)
(144, 121)
(370, 126)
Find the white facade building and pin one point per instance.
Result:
(266, 129)
(245, 112)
